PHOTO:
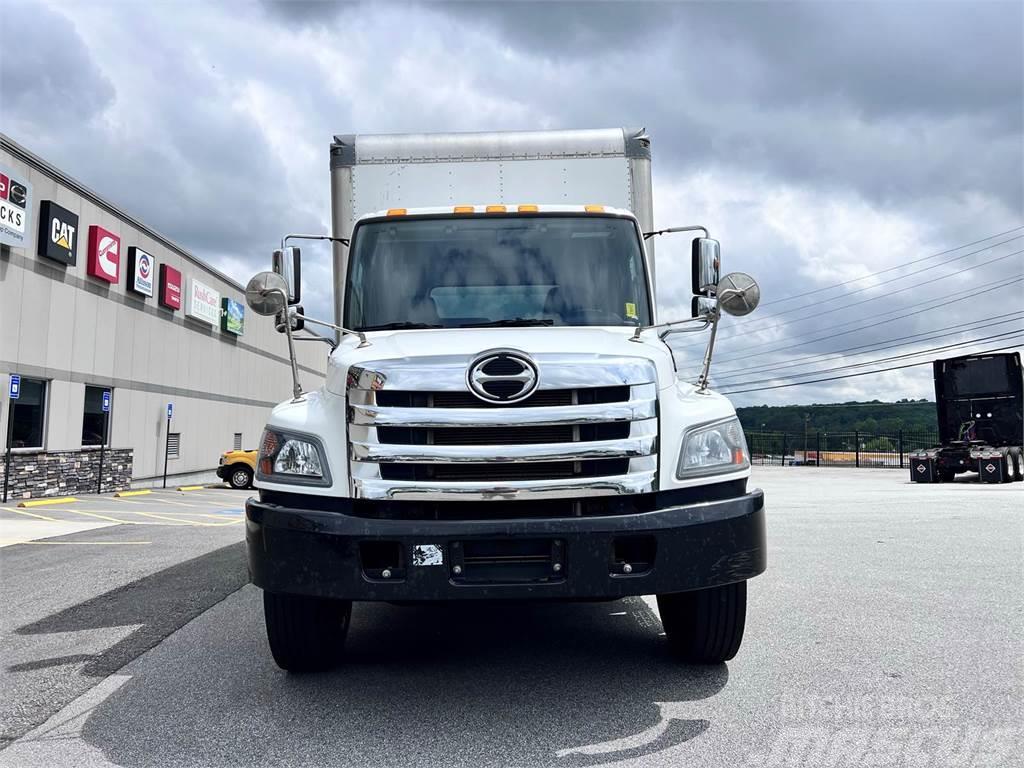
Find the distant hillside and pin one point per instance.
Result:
(871, 417)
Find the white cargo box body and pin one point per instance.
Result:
(578, 167)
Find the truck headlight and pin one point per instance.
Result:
(713, 449)
(287, 457)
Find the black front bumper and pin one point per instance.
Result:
(329, 553)
(223, 471)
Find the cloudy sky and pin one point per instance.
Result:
(820, 142)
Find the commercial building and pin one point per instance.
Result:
(106, 327)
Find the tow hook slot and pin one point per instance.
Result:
(632, 555)
(507, 561)
(382, 560)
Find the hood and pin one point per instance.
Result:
(470, 342)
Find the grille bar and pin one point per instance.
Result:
(370, 415)
(597, 449)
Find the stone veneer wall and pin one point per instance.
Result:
(61, 473)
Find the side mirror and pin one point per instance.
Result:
(706, 264)
(298, 323)
(738, 294)
(266, 293)
(703, 306)
(288, 264)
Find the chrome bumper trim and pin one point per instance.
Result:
(618, 485)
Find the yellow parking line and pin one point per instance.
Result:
(190, 487)
(104, 517)
(29, 514)
(47, 502)
(168, 519)
(122, 494)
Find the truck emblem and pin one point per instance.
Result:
(990, 468)
(502, 376)
(920, 468)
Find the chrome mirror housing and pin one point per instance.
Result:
(706, 256)
(266, 293)
(703, 307)
(287, 262)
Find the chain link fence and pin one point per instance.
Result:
(837, 449)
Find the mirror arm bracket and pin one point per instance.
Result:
(286, 238)
(671, 230)
(363, 341)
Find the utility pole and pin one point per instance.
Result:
(807, 420)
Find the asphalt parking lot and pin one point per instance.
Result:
(887, 631)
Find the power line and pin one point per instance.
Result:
(890, 269)
(879, 345)
(746, 330)
(852, 375)
(882, 359)
(943, 301)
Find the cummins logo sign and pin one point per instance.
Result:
(58, 233)
(104, 254)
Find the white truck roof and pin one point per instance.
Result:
(511, 208)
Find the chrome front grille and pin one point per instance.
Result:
(590, 429)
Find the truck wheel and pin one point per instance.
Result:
(705, 626)
(240, 477)
(306, 634)
(1016, 462)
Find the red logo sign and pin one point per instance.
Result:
(170, 287)
(104, 254)
(5, 184)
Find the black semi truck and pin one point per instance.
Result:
(980, 403)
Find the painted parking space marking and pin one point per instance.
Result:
(28, 514)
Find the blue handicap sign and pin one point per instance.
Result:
(170, 410)
(106, 401)
(15, 391)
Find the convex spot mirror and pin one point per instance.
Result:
(287, 262)
(266, 293)
(706, 264)
(738, 294)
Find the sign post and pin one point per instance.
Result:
(103, 438)
(167, 439)
(13, 394)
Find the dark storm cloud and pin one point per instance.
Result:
(46, 67)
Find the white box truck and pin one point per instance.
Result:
(502, 418)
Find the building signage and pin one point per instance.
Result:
(15, 390)
(106, 401)
(140, 271)
(104, 254)
(233, 318)
(58, 233)
(170, 287)
(15, 208)
(203, 302)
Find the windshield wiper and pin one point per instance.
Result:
(400, 325)
(520, 321)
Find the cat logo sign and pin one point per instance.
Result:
(104, 254)
(58, 233)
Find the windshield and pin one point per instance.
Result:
(496, 270)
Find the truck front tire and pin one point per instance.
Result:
(705, 626)
(306, 634)
(240, 477)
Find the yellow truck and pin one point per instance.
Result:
(237, 468)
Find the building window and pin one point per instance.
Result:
(28, 414)
(238, 441)
(95, 422)
(173, 445)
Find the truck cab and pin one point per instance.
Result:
(502, 419)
